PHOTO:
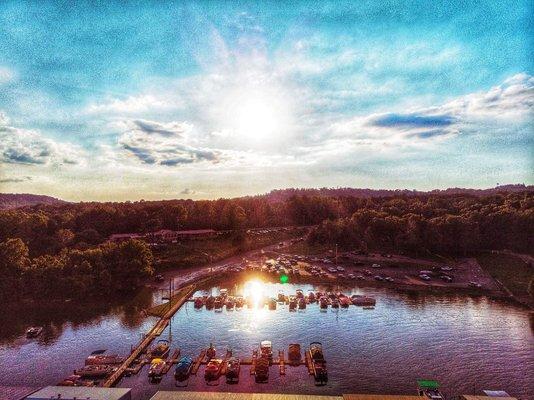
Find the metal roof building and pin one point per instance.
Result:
(80, 392)
(237, 396)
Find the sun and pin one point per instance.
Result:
(257, 120)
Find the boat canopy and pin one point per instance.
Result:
(98, 352)
(427, 384)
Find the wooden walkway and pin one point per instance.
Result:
(154, 332)
(198, 361)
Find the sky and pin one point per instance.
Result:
(207, 99)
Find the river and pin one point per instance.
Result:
(466, 343)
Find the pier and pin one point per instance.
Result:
(160, 326)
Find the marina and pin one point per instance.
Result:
(352, 339)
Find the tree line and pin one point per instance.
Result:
(63, 248)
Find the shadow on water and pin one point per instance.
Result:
(54, 316)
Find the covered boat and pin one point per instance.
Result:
(266, 350)
(292, 304)
(210, 302)
(34, 331)
(183, 369)
(199, 302)
(345, 302)
(302, 303)
(230, 304)
(335, 303)
(429, 389)
(160, 350)
(233, 366)
(323, 303)
(155, 372)
(94, 371)
(359, 300)
(261, 371)
(103, 359)
(311, 297)
(319, 363)
(293, 354)
(212, 370)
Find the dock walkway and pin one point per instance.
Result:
(186, 292)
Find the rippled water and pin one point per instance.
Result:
(467, 344)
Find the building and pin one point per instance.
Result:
(164, 235)
(80, 392)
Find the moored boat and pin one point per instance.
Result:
(94, 371)
(429, 389)
(302, 303)
(299, 294)
(335, 303)
(160, 350)
(239, 302)
(292, 304)
(210, 352)
(266, 350)
(272, 304)
(103, 359)
(199, 302)
(33, 331)
(210, 302)
(155, 371)
(233, 366)
(261, 371)
(281, 297)
(345, 302)
(230, 304)
(311, 297)
(212, 370)
(183, 369)
(293, 354)
(319, 363)
(218, 304)
(323, 303)
(359, 300)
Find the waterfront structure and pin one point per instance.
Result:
(164, 235)
(80, 392)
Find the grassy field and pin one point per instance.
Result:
(510, 270)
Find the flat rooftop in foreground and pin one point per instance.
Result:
(270, 396)
(237, 396)
(80, 392)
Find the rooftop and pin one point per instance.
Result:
(80, 392)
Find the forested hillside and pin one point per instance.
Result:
(53, 247)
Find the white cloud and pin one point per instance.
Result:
(166, 144)
(30, 147)
(135, 104)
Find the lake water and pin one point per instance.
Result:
(465, 343)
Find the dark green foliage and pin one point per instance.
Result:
(73, 273)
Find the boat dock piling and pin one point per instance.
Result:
(281, 362)
(198, 361)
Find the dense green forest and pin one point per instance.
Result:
(62, 248)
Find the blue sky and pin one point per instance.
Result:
(208, 99)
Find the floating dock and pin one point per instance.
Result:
(149, 338)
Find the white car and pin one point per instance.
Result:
(376, 266)
(340, 269)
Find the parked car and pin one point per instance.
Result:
(424, 277)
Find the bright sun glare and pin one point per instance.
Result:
(257, 120)
(254, 289)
